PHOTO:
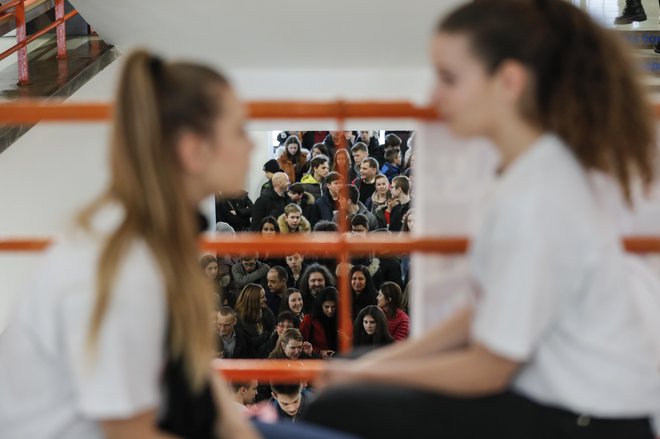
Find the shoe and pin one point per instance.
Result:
(656, 48)
(633, 11)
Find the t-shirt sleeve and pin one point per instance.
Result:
(524, 265)
(120, 377)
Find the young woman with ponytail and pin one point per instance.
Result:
(556, 345)
(115, 339)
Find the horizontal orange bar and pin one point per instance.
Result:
(36, 110)
(281, 371)
(331, 243)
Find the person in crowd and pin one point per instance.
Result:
(359, 225)
(302, 136)
(298, 195)
(249, 270)
(284, 320)
(235, 211)
(408, 226)
(407, 157)
(271, 203)
(319, 149)
(551, 348)
(277, 278)
(319, 169)
(400, 190)
(293, 160)
(383, 213)
(334, 139)
(291, 346)
(392, 166)
(289, 400)
(362, 288)
(369, 139)
(244, 394)
(359, 152)
(254, 316)
(354, 205)
(389, 300)
(328, 203)
(271, 167)
(112, 354)
(296, 266)
(366, 183)
(233, 340)
(370, 328)
(268, 226)
(342, 160)
(293, 302)
(379, 197)
(320, 326)
(394, 141)
(293, 221)
(209, 264)
(315, 278)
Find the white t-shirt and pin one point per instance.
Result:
(555, 292)
(49, 388)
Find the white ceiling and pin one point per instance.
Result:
(296, 49)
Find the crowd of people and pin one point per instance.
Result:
(286, 308)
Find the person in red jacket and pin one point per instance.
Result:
(320, 327)
(389, 300)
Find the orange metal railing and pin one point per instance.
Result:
(17, 9)
(335, 244)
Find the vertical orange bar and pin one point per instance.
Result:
(60, 30)
(21, 36)
(345, 304)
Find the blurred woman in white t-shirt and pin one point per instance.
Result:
(560, 343)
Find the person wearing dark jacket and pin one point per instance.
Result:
(254, 315)
(234, 211)
(285, 320)
(400, 190)
(233, 341)
(272, 202)
(289, 400)
(373, 147)
(305, 200)
(354, 205)
(332, 141)
(320, 327)
(328, 203)
(271, 167)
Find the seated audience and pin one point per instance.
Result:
(233, 341)
(249, 271)
(272, 202)
(315, 278)
(319, 169)
(296, 266)
(392, 166)
(370, 328)
(293, 221)
(293, 302)
(289, 400)
(362, 288)
(244, 394)
(354, 205)
(235, 211)
(389, 300)
(291, 346)
(254, 316)
(285, 320)
(320, 327)
(305, 200)
(277, 284)
(293, 160)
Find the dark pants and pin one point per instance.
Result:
(381, 412)
(297, 430)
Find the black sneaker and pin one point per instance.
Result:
(656, 48)
(630, 14)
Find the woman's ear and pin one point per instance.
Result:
(512, 80)
(192, 150)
